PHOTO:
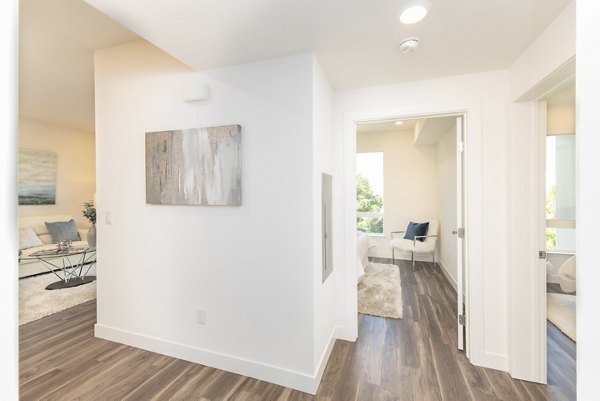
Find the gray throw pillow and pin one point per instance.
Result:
(63, 231)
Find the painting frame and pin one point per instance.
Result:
(197, 166)
(37, 177)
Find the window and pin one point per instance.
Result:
(560, 193)
(369, 192)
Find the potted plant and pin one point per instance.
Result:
(89, 212)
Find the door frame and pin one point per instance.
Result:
(472, 218)
(460, 245)
(542, 128)
(527, 275)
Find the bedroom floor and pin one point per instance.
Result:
(562, 364)
(414, 358)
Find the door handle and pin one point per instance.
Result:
(460, 232)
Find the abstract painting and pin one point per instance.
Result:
(200, 166)
(37, 177)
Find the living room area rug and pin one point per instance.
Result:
(35, 301)
(561, 312)
(380, 291)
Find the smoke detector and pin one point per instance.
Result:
(409, 45)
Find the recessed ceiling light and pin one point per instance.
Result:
(414, 11)
(399, 122)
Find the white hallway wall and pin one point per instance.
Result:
(491, 345)
(549, 51)
(9, 326)
(76, 166)
(553, 49)
(250, 267)
(588, 198)
(573, 32)
(409, 184)
(324, 292)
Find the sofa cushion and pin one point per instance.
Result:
(39, 224)
(28, 238)
(63, 231)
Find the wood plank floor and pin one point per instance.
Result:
(409, 359)
(562, 370)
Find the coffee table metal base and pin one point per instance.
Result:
(73, 282)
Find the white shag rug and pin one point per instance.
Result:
(379, 291)
(35, 301)
(561, 312)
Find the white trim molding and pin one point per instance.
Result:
(527, 272)
(301, 381)
(322, 363)
(472, 110)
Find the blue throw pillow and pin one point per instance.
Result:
(410, 231)
(63, 231)
(415, 229)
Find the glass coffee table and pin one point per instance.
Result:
(72, 265)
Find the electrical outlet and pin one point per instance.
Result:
(200, 316)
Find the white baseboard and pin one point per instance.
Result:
(342, 334)
(496, 361)
(447, 274)
(273, 374)
(320, 369)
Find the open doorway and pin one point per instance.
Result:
(559, 234)
(409, 208)
(56, 159)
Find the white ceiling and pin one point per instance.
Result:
(433, 130)
(355, 40)
(56, 63)
(385, 126)
(428, 131)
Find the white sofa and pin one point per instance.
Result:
(567, 275)
(29, 267)
(562, 269)
(363, 248)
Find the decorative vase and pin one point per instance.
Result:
(91, 236)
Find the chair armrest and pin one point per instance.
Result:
(422, 236)
(396, 232)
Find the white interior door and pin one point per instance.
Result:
(460, 235)
(541, 270)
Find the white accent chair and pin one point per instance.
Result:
(416, 246)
